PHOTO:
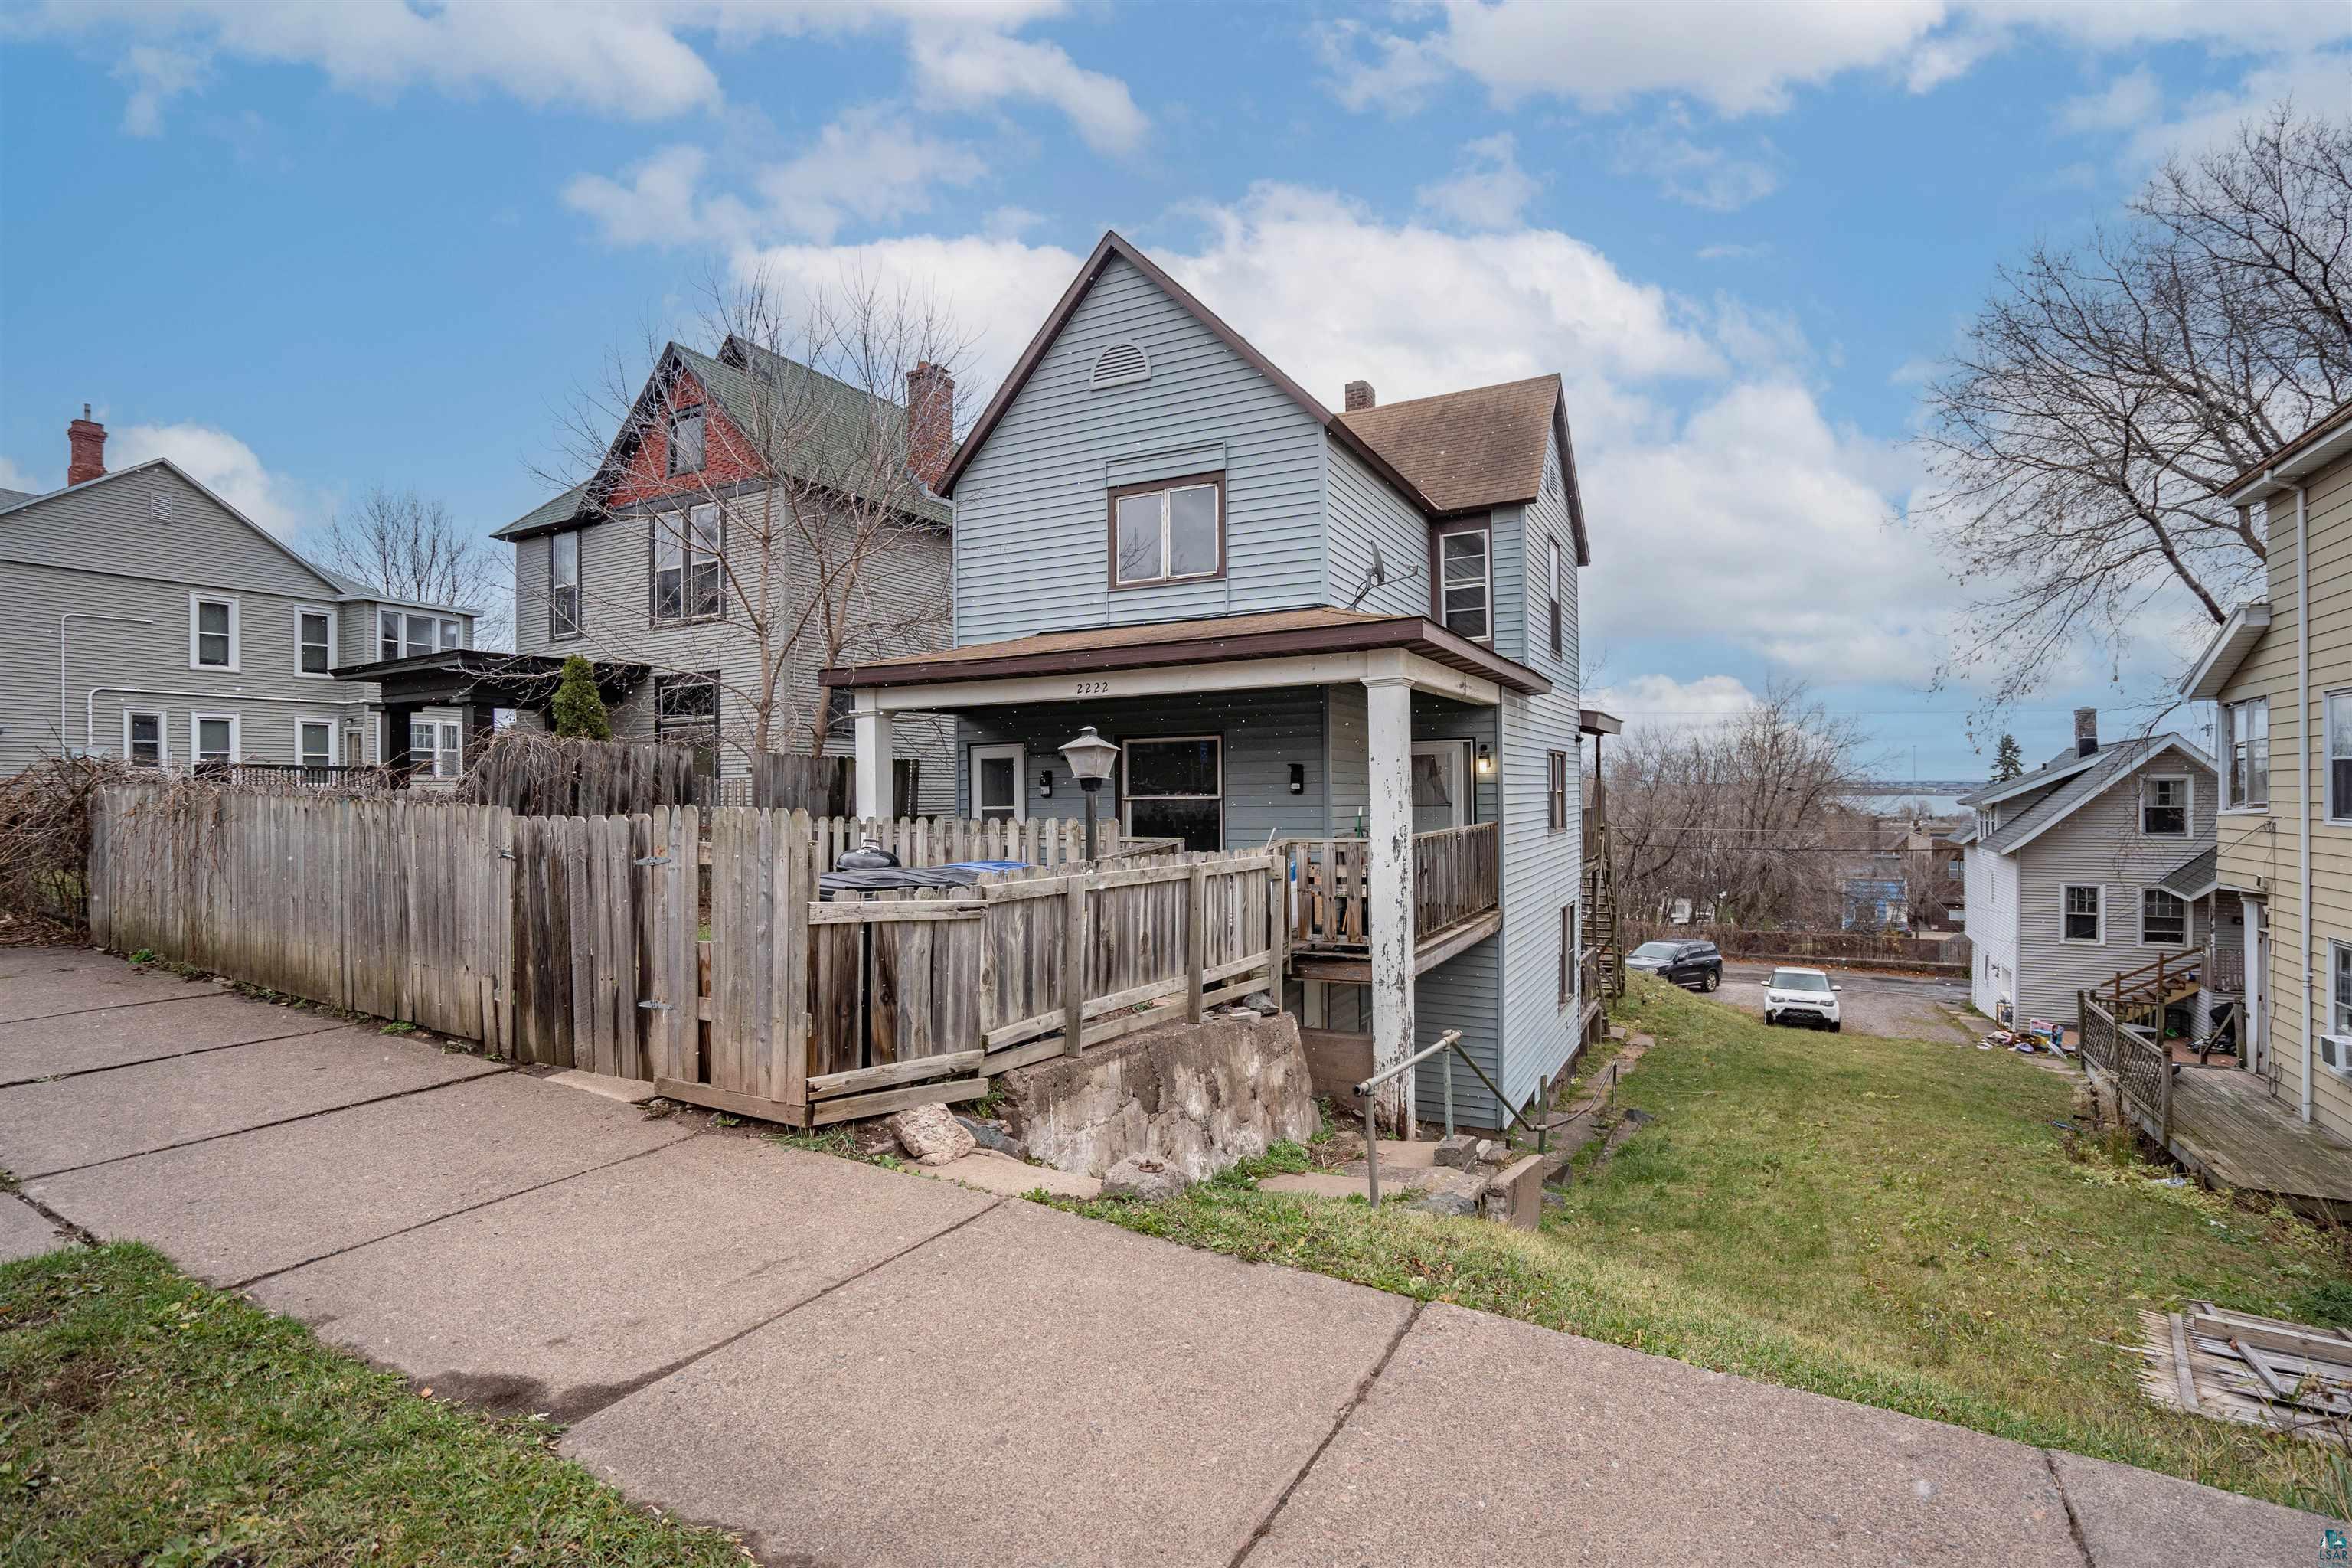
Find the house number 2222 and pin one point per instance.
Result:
(1093, 688)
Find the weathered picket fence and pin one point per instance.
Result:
(685, 947)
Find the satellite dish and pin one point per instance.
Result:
(1375, 575)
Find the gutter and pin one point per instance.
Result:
(2277, 476)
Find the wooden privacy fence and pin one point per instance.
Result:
(687, 947)
(1456, 875)
(2141, 1067)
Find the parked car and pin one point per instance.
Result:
(1801, 996)
(1692, 964)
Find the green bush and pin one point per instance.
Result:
(579, 710)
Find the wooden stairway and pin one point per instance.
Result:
(2140, 995)
(1600, 893)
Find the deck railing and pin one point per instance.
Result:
(2225, 971)
(1457, 876)
(2141, 1067)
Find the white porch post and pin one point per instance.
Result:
(1389, 865)
(873, 728)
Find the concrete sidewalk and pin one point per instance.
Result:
(851, 1365)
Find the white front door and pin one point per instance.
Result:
(1441, 784)
(996, 792)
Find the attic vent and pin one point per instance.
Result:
(159, 505)
(1118, 363)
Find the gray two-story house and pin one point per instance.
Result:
(146, 617)
(1352, 633)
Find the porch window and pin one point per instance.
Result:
(2163, 919)
(2164, 807)
(1168, 531)
(1466, 583)
(564, 585)
(2247, 777)
(1556, 792)
(143, 738)
(438, 746)
(1174, 787)
(686, 441)
(686, 713)
(2085, 914)
(687, 563)
(315, 641)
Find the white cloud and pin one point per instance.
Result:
(2318, 83)
(1728, 252)
(2129, 101)
(1705, 177)
(157, 75)
(14, 475)
(1487, 188)
(657, 205)
(1662, 703)
(970, 69)
(226, 466)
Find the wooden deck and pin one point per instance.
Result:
(2228, 1129)
(1353, 966)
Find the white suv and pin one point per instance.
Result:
(1791, 995)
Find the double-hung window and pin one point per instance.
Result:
(1168, 530)
(1556, 792)
(686, 570)
(212, 633)
(1567, 953)
(1466, 582)
(314, 650)
(686, 713)
(686, 441)
(564, 585)
(2163, 919)
(2164, 807)
(1174, 787)
(316, 738)
(1552, 553)
(2340, 756)
(214, 736)
(2246, 769)
(2085, 914)
(142, 740)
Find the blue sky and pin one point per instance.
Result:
(308, 249)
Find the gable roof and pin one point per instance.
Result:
(2195, 877)
(2064, 765)
(1424, 451)
(2106, 767)
(549, 515)
(2233, 641)
(1476, 450)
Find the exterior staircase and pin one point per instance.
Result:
(2139, 996)
(1599, 896)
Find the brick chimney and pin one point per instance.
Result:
(930, 421)
(86, 449)
(1359, 395)
(2086, 731)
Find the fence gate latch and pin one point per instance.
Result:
(652, 860)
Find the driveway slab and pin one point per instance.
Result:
(117, 1037)
(24, 1231)
(1572, 1451)
(1030, 1388)
(2137, 1519)
(235, 1208)
(565, 1299)
(52, 1127)
(54, 981)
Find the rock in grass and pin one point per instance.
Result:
(931, 1134)
(1140, 1177)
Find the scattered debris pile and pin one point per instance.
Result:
(2034, 1038)
(2263, 1372)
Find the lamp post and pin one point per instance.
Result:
(1089, 757)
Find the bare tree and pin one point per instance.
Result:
(804, 532)
(412, 549)
(2085, 433)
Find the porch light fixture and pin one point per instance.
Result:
(1486, 761)
(1299, 778)
(1090, 757)
(1044, 784)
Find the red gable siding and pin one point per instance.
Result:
(728, 457)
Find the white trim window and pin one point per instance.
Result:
(1000, 775)
(688, 577)
(1168, 533)
(2340, 756)
(314, 741)
(564, 585)
(2246, 756)
(1466, 582)
(146, 738)
(438, 747)
(2339, 1002)
(1551, 554)
(2163, 919)
(2165, 804)
(212, 632)
(215, 737)
(1173, 786)
(686, 713)
(314, 643)
(2083, 914)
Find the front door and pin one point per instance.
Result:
(1441, 780)
(996, 792)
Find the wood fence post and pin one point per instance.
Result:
(1196, 939)
(1074, 964)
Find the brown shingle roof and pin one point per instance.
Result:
(1468, 450)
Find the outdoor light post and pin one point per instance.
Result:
(1089, 757)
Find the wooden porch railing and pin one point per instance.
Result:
(2141, 996)
(2141, 1067)
(1456, 876)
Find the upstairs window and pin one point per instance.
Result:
(1466, 583)
(212, 633)
(316, 641)
(1551, 553)
(1168, 531)
(2164, 807)
(686, 441)
(2246, 783)
(563, 586)
(388, 634)
(2340, 756)
(2085, 914)
(1556, 793)
(686, 572)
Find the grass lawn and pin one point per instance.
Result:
(146, 1419)
(1891, 1221)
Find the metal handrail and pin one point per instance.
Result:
(1450, 1041)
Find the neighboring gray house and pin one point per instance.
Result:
(2088, 868)
(662, 562)
(148, 618)
(1295, 623)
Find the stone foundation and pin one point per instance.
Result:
(1198, 1097)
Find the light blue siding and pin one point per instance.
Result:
(1031, 539)
(1364, 511)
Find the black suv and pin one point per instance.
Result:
(1692, 964)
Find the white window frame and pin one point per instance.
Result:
(563, 626)
(1558, 611)
(1167, 492)
(1485, 533)
(334, 640)
(445, 738)
(2187, 919)
(2188, 804)
(236, 642)
(196, 722)
(163, 733)
(334, 738)
(2065, 903)
(2230, 712)
(1127, 798)
(998, 753)
(399, 643)
(2338, 810)
(2339, 1011)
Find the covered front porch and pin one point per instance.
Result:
(1364, 747)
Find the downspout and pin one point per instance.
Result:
(2303, 690)
(64, 709)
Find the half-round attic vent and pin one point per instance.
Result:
(1121, 362)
